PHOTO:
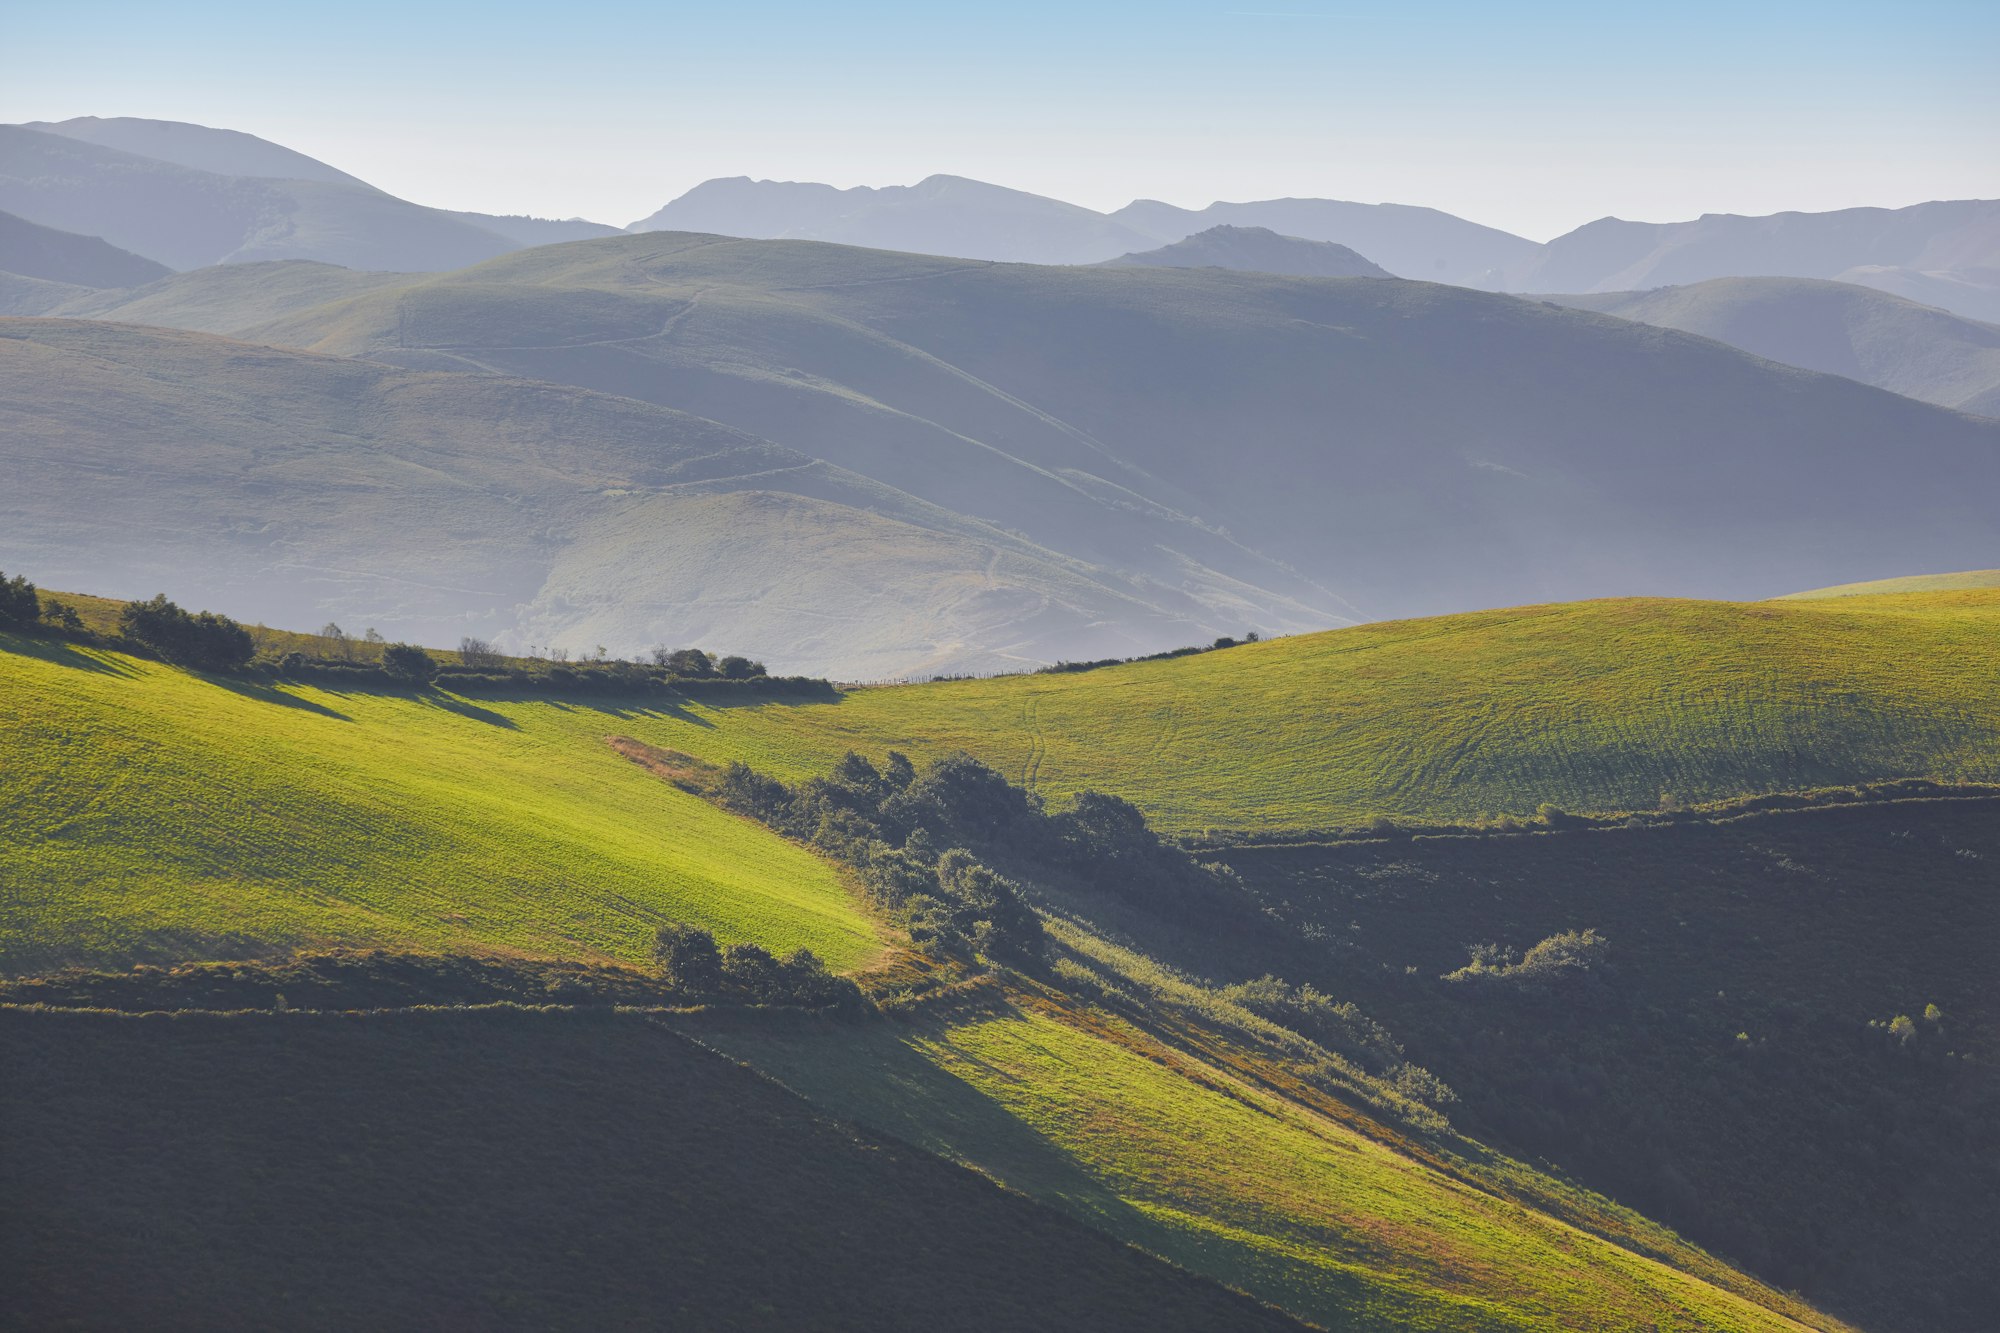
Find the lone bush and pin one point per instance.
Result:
(406, 661)
(18, 602)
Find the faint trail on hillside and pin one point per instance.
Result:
(877, 282)
(1031, 718)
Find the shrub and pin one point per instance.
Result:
(207, 641)
(751, 970)
(18, 602)
(61, 615)
(690, 662)
(688, 958)
(1566, 956)
(479, 654)
(738, 668)
(406, 661)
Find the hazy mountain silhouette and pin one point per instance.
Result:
(1259, 250)
(33, 251)
(186, 218)
(290, 487)
(1944, 253)
(1834, 327)
(223, 152)
(1347, 447)
(1408, 242)
(941, 215)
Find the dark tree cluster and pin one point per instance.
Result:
(18, 602)
(693, 965)
(694, 664)
(953, 850)
(205, 641)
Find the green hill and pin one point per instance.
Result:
(1591, 706)
(148, 813)
(1974, 578)
(161, 815)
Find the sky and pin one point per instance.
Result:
(1531, 117)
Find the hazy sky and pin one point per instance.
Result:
(1533, 117)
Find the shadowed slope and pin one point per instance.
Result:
(1832, 327)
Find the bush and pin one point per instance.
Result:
(406, 661)
(1566, 956)
(479, 654)
(688, 958)
(739, 668)
(62, 616)
(18, 602)
(206, 642)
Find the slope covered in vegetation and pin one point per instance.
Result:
(149, 813)
(1592, 706)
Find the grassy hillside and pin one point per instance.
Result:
(1590, 706)
(1972, 578)
(504, 1170)
(1220, 1174)
(1365, 449)
(148, 813)
(1833, 327)
(303, 488)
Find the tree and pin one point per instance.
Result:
(62, 615)
(690, 662)
(751, 970)
(207, 641)
(338, 644)
(689, 960)
(739, 668)
(18, 602)
(406, 661)
(478, 653)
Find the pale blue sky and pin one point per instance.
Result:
(1533, 117)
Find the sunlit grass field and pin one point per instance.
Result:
(1229, 1179)
(1591, 706)
(149, 813)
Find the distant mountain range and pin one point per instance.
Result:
(45, 255)
(966, 465)
(189, 195)
(1256, 250)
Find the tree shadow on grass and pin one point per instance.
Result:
(62, 654)
(451, 703)
(267, 694)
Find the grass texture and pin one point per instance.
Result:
(149, 813)
(1591, 706)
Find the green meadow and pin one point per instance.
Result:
(1590, 706)
(151, 813)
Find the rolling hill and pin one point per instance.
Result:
(186, 218)
(287, 487)
(1259, 250)
(1595, 706)
(1972, 578)
(382, 810)
(201, 147)
(52, 256)
(1410, 242)
(1836, 328)
(1363, 449)
(1945, 253)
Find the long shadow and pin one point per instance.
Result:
(61, 654)
(452, 703)
(269, 695)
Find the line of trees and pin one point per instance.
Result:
(692, 964)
